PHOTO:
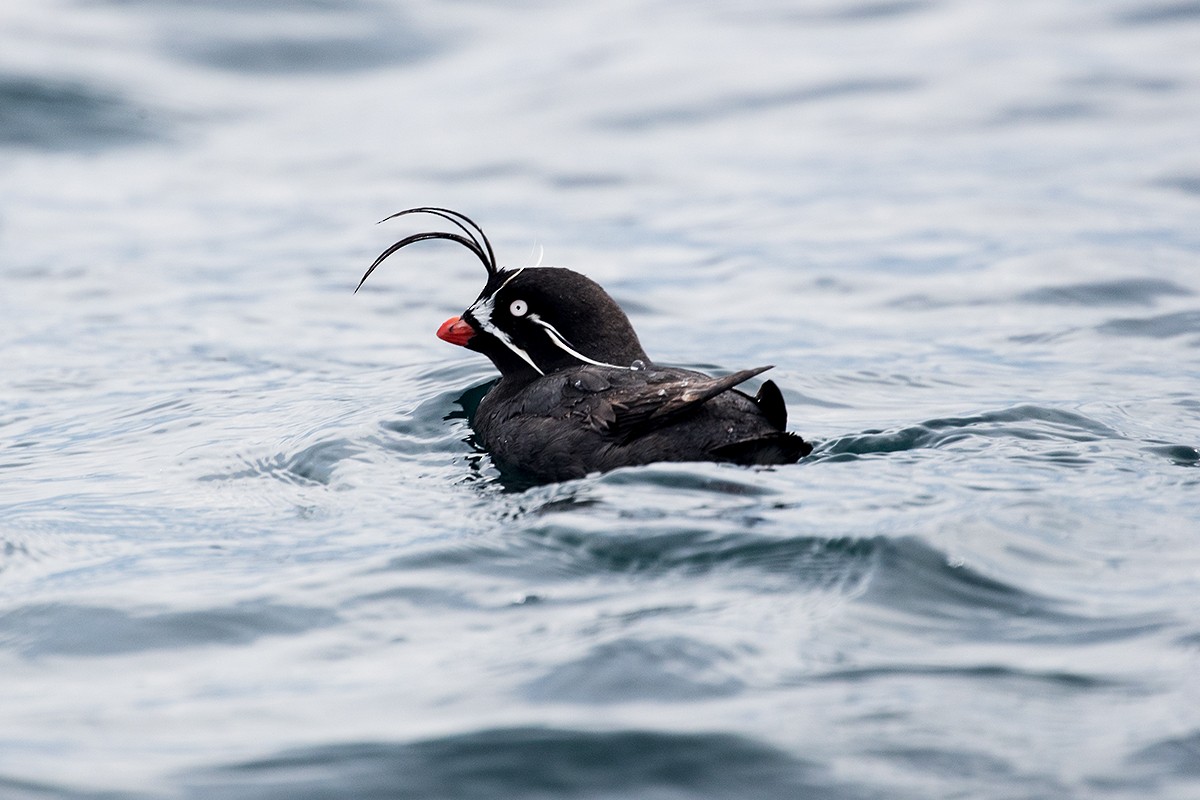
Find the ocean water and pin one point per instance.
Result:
(248, 549)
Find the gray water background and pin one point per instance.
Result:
(246, 549)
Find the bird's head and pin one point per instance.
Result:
(531, 321)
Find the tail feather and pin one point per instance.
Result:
(770, 402)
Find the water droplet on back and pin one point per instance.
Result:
(638, 365)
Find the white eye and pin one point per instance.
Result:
(518, 308)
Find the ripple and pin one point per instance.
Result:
(17, 789)
(913, 576)
(313, 465)
(1161, 13)
(562, 550)
(801, 561)
(737, 105)
(1130, 291)
(878, 10)
(1061, 111)
(1163, 326)
(1024, 422)
(244, 5)
(425, 429)
(991, 674)
(1180, 755)
(53, 114)
(921, 585)
(529, 763)
(283, 38)
(667, 669)
(63, 629)
(975, 766)
(1105, 80)
(289, 56)
(1186, 183)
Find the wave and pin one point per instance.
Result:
(68, 629)
(1025, 422)
(55, 114)
(527, 763)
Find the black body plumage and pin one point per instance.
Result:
(577, 393)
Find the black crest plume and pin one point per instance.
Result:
(474, 240)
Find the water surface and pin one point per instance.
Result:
(248, 549)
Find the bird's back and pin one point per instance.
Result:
(588, 419)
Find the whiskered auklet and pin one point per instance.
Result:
(577, 393)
